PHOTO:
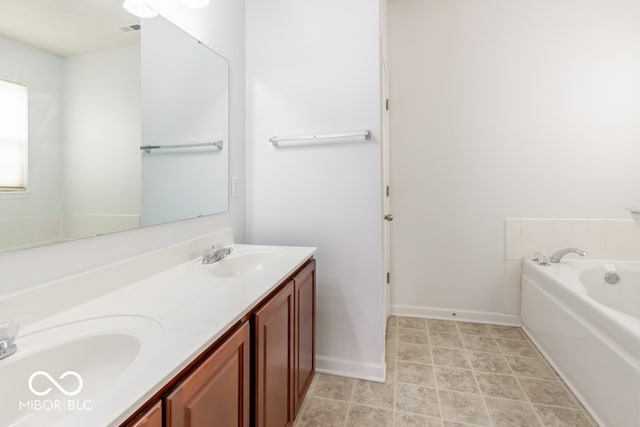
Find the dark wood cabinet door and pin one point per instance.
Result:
(217, 392)
(274, 343)
(304, 353)
(151, 418)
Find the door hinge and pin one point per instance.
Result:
(387, 104)
(387, 191)
(388, 277)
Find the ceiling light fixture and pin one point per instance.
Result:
(139, 8)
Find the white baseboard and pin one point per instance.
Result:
(350, 368)
(453, 314)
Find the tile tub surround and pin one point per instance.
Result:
(459, 374)
(617, 239)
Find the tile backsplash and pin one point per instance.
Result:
(617, 239)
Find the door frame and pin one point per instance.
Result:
(386, 199)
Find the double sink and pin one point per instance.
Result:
(97, 362)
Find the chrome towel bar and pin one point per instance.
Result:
(148, 148)
(275, 140)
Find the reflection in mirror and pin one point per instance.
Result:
(80, 63)
(185, 117)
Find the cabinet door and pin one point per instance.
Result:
(304, 353)
(217, 392)
(151, 418)
(273, 340)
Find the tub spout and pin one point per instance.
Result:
(556, 257)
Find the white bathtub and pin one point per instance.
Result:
(590, 332)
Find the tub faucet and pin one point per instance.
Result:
(556, 257)
(8, 332)
(214, 254)
(541, 259)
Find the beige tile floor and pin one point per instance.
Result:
(449, 374)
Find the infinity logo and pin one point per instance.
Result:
(55, 383)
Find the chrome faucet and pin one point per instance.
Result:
(214, 254)
(556, 257)
(541, 259)
(8, 332)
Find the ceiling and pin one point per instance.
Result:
(68, 27)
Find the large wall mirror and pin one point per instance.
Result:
(126, 122)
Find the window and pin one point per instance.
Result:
(13, 136)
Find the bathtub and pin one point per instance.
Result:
(590, 332)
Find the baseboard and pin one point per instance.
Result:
(453, 314)
(350, 368)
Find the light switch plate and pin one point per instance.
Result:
(235, 186)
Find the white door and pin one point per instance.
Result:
(386, 191)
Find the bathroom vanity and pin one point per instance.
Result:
(164, 340)
(267, 358)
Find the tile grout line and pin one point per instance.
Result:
(330, 399)
(578, 405)
(513, 374)
(395, 390)
(484, 402)
(395, 366)
(440, 418)
(307, 396)
(524, 393)
(433, 371)
(500, 351)
(395, 373)
(465, 351)
(526, 400)
(353, 392)
(395, 370)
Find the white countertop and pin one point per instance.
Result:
(166, 320)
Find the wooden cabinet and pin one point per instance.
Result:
(257, 374)
(217, 392)
(273, 347)
(151, 418)
(284, 348)
(304, 329)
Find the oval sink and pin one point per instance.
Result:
(59, 370)
(239, 264)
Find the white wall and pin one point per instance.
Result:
(221, 26)
(102, 129)
(34, 217)
(504, 109)
(313, 67)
